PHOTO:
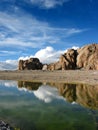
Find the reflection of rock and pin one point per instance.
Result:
(85, 95)
(29, 85)
(30, 64)
(43, 91)
(66, 90)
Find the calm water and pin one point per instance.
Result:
(49, 106)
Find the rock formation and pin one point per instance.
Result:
(30, 64)
(88, 57)
(66, 61)
(85, 57)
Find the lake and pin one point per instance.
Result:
(48, 106)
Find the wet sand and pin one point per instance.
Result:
(65, 76)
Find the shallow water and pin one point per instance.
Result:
(49, 106)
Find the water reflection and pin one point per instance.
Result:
(83, 94)
(29, 85)
(48, 106)
(42, 91)
(86, 95)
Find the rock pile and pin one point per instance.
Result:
(30, 64)
(5, 126)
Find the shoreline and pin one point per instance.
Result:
(60, 76)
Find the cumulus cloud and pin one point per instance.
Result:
(45, 55)
(48, 54)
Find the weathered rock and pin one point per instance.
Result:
(30, 64)
(88, 57)
(85, 57)
(5, 126)
(45, 67)
(66, 61)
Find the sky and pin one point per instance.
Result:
(45, 28)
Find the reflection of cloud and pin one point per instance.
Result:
(47, 94)
(8, 83)
(23, 89)
(44, 93)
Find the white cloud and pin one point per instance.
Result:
(73, 31)
(6, 53)
(46, 55)
(47, 4)
(32, 33)
(9, 65)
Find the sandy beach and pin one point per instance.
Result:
(65, 76)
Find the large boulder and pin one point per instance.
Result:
(88, 57)
(66, 61)
(30, 64)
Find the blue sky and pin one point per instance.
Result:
(45, 28)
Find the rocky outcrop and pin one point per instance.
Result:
(88, 57)
(66, 61)
(85, 57)
(30, 64)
